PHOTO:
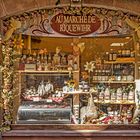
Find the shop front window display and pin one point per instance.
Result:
(43, 80)
(64, 87)
(42, 102)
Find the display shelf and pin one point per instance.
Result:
(125, 61)
(112, 96)
(115, 103)
(114, 82)
(51, 71)
(76, 92)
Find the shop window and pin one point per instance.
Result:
(77, 81)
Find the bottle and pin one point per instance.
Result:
(38, 57)
(131, 96)
(106, 56)
(128, 52)
(95, 77)
(45, 57)
(114, 56)
(103, 74)
(132, 53)
(119, 94)
(123, 53)
(111, 55)
(119, 53)
(125, 96)
(49, 59)
(129, 115)
(107, 94)
(113, 95)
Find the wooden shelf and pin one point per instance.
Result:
(115, 82)
(125, 60)
(51, 71)
(115, 103)
(76, 92)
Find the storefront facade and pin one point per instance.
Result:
(70, 69)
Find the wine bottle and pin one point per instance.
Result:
(114, 56)
(111, 55)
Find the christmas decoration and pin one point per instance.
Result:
(89, 66)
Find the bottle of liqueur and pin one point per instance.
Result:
(111, 55)
(125, 94)
(108, 72)
(123, 53)
(119, 53)
(49, 61)
(49, 58)
(45, 57)
(113, 95)
(101, 96)
(99, 74)
(45, 62)
(106, 58)
(114, 56)
(119, 94)
(39, 66)
(117, 68)
(34, 57)
(128, 52)
(107, 94)
(103, 73)
(132, 53)
(95, 77)
(131, 93)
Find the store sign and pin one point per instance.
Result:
(75, 25)
(74, 22)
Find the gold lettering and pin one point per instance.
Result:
(74, 19)
(74, 28)
(83, 28)
(61, 28)
(58, 19)
(69, 28)
(78, 28)
(89, 19)
(85, 19)
(88, 29)
(80, 19)
(93, 19)
(66, 19)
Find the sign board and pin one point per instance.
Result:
(62, 22)
(75, 25)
